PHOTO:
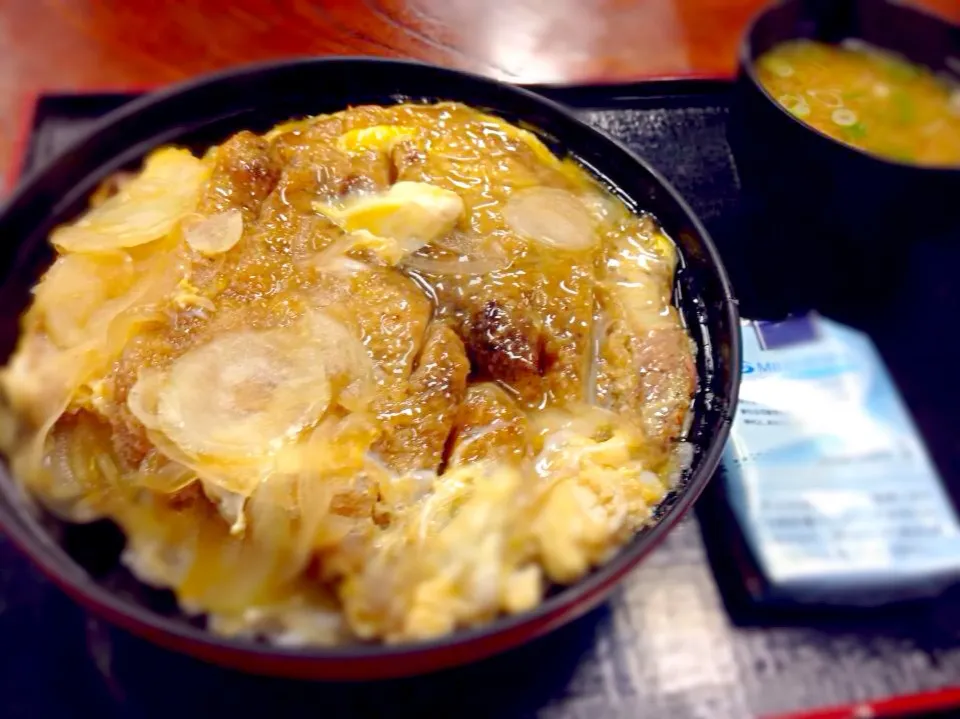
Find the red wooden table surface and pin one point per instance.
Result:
(92, 44)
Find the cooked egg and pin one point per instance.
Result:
(400, 221)
(380, 138)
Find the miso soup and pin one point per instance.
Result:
(869, 98)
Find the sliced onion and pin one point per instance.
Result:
(74, 288)
(344, 357)
(243, 394)
(345, 266)
(461, 243)
(216, 234)
(39, 381)
(552, 217)
(168, 478)
(315, 346)
(230, 505)
(475, 255)
(583, 420)
(43, 378)
(240, 476)
(229, 573)
(602, 207)
(146, 209)
(92, 303)
(143, 397)
(461, 266)
(179, 468)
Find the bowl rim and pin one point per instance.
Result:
(551, 612)
(748, 67)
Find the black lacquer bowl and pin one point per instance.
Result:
(84, 560)
(832, 219)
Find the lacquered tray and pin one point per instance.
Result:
(680, 639)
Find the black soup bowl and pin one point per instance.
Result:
(828, 214)
(84, 560)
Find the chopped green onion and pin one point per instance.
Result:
(898, 153)
(904, 106)
(901, 70)
(844, 117)
(794, 105)
(953, 104)
(779, 67)
(856, 131)
(829, 98)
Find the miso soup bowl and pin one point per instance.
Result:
(84, 560)
(821, 207)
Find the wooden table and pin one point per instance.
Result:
(96, 44)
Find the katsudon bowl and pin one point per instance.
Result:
(85, 559)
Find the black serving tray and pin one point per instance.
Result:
(678, 640)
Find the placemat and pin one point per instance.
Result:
(677, 639)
